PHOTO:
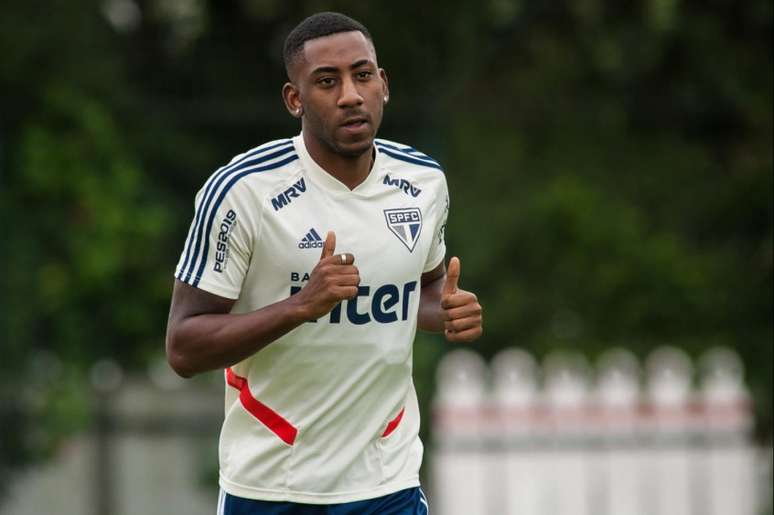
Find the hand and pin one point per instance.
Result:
(332, 280)
(461, 310)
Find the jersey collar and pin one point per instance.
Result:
(328, 181)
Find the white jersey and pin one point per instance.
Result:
(328, 412)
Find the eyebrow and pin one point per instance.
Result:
(333, 69)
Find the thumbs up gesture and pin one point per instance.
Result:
(461, 310)
(333, 279)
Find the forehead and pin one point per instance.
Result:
(337, 50)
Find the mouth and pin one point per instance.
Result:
(355, 123)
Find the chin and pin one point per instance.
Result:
(355, 148)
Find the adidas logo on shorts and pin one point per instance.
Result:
(312, 240)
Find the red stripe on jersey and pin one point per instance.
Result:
(393, 423)
(267, 416)
(234, 380)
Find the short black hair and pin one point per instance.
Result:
(317, 26)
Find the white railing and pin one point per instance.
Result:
(515, 438)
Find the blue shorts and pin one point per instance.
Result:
(405, 502)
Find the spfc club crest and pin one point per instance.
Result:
(406, 224)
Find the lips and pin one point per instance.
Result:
(354, 121)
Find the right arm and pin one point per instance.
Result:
(202, 333)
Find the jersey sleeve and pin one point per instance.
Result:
(438, 245)
(217, 251)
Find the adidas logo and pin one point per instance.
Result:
(312, 240)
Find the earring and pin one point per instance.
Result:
(299, 112)
(386, 99)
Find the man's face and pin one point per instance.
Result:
(342, 92)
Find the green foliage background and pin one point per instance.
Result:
(610, 167)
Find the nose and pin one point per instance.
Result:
(350, 96)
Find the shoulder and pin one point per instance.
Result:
(258, 169)
(411, 170)
(404, 155)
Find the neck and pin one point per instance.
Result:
(350, 171)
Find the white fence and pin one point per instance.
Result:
(152, 450)
(514, 438)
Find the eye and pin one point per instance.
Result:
(364, 75)
(326, 81)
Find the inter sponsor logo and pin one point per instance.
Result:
(312, 240)
(406, 224)
(386, 304)
(224, 234)
(287, 196)
(403, 185)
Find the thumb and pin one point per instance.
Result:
(452, 276)
(329, 246)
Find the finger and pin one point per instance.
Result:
(345, 292)
(461, 298)
(462, 324)
(329, 246)
(346, 280)
(346, 270)
(343, 260)
(462, 312)
(346, 258)
(464, 336)
(452, 277)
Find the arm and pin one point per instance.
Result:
(444, 307)
(203, 335)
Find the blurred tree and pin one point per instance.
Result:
(84, 279)
(628, 198)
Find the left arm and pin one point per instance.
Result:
(444, 307)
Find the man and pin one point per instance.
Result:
(315, 332)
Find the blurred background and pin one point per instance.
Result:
(610, 172)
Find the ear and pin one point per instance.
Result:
(292, 99)
(385, 84)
